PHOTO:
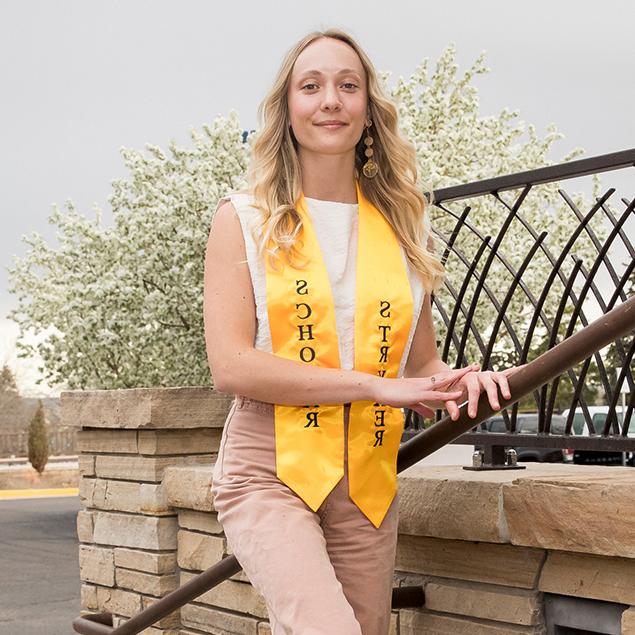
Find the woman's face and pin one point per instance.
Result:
(328, 83)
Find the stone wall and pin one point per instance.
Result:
(127, 530)
(488, 547)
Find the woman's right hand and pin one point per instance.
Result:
(412, 392)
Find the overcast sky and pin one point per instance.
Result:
(79, 79)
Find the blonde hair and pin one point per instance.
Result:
(274, 175)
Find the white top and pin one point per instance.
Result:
(335, 226)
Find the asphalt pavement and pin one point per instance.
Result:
(39, 566)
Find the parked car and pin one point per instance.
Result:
(527, 423)
(598, 416)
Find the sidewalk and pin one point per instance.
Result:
(15, 494)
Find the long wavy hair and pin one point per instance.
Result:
(274, 173)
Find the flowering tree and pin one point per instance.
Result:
(439, 114)
(125, 302)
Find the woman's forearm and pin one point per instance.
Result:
(260, 375)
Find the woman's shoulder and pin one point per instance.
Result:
(248, 215)
(242, 201)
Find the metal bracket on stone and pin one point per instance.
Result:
(495, 457)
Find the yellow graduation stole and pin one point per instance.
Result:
(309, 439)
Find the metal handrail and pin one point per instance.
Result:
(537, 176)
(580, 345)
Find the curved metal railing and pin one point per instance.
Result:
(480, 251)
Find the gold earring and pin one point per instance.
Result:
(369, 168)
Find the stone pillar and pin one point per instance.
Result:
(126, 529)
(487, 546)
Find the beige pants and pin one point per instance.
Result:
(325, 572)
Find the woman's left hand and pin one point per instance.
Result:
(473, 383)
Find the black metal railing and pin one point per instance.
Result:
(477, 253)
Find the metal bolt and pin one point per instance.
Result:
(477, 458)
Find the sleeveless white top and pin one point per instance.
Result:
(335, 225)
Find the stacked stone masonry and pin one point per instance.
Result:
(486, 546)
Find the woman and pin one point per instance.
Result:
(318, 320)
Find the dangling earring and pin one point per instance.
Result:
(369, 168)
